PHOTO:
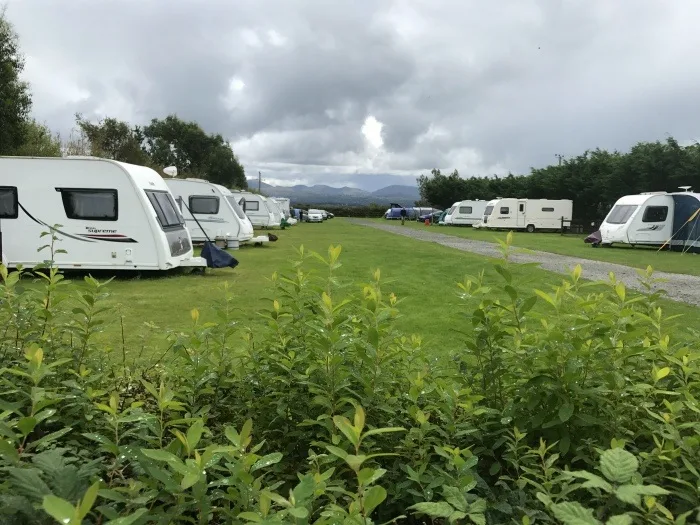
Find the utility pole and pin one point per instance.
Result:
(260, 181)
(559, 156)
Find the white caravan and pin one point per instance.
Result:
(261, 212)
(527, 214)
(284, 205)
(215, 209)
(655, 219)
(467, 213)
(448, 216)
(112, 215)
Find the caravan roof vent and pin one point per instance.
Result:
(685, 188)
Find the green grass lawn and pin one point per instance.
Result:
(574, 246)
(423, 275)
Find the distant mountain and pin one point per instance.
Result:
(322, 194)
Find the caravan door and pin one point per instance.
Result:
(653, 223)
(520, 219)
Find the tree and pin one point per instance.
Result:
(39, 141)
(173, 141)
(15, 99)
(113, 139)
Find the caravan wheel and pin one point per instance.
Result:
(530, 228)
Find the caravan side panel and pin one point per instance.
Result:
(102, 216)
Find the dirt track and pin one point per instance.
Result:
(679, 287)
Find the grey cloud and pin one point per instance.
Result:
(470, 85)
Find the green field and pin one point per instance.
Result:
(423, 276)
(573, 245)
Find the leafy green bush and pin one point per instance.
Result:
(572, 405)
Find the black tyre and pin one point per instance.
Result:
(530, 228)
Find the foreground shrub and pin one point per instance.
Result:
(572, 405)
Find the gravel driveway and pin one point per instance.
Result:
(679, 287)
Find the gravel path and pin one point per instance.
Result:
(679, 287)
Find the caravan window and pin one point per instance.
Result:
(165, 209)
(232, 201)
(90, 204)
(620, 214)
(467, 210)
(8, 202)
(522, 208)
(548, 209)
(488, 210)
(655, 214)
(252, 205)
(204, 205)
(505, 210)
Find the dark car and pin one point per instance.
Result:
(432, 217)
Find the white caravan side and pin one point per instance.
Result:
(284, 205)
(112, 215)
(258, 209)
(219, 215)
(527, 214)
(654, 219)
(467, 213)
(448, 217)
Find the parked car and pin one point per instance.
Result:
(432, 217)
(314, 216)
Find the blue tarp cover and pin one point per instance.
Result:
(216, 257)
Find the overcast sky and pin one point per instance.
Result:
(371, 92)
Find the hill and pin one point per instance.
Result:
(323, 194)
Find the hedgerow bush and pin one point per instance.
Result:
(581, 411)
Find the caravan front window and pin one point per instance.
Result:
(165, 209)
(621, 213)
(90, 204)
(235, 206)
(204, 204)
(8, 202)
(488, 210)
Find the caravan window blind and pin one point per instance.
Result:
(90, 204)
(467, 210)
(204, 204)
(505, 210)
(8, 202)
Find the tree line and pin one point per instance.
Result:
(163, 142)
(593, 180)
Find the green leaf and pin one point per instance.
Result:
(266, 461)
(592, 480)
(479, 519)
(59, 509)
(373, 497)
(572, 513)
(546, 297)
(455, 497)
(194, 434)
(632, 493)
(189, 479)
(299, 512)
(337, 451)
(566, 411)
(503, 272)
(661, 373)
(348, 429)
(88, 499)
(367, 476)
(128, 520)
(618, 465)
(620, 519)
(7, 450)
(434, 509)
(250, 516)
(384, 430)
(26, 425)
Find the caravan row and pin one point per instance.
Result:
(512, 214)
(118, 216)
